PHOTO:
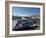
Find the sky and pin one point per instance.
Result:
(25, 11)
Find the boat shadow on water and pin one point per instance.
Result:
(26, 28)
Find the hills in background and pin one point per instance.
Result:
(26, 17)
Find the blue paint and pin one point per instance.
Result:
(25, 11)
